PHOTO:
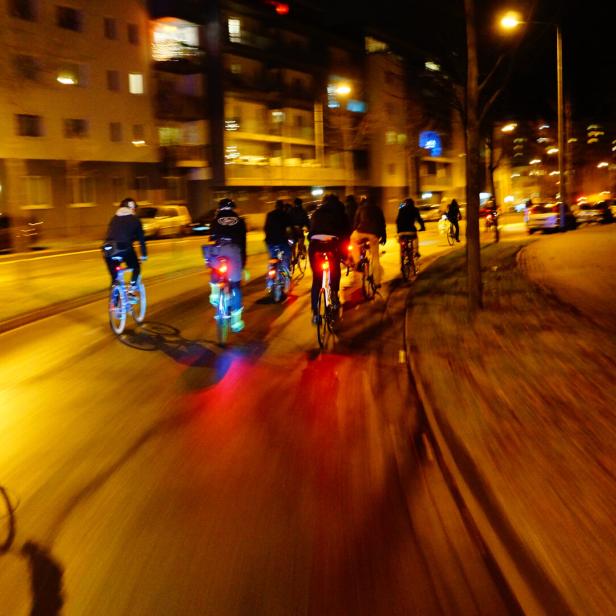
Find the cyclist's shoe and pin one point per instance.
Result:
(214, 293)
(377, 286)
(237, 325)
(417, 255)
(133, 292)
(458, 241)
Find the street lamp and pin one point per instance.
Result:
(510, 21)
(342, 91)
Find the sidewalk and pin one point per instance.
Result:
(523, 406)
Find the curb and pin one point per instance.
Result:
(527, 582)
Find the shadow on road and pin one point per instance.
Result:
(45, 572)
(45, 579)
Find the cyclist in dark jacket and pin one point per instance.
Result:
(454, 215)
(408, 215)
(124, 229)
(229, 235)
(277, 226)
(369, 224)
(328, 227)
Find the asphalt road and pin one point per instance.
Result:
(157, 474)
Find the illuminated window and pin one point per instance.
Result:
(169, 135)
(135, 83)
(110, 27)
(75, 128)
(391, 137)
(113, 81)
(36, 191)
(236, 69)
(69, 18)
(71, 75)
(81, 190)
(235, 30)
(115, 131)
(23, 9)
(133, 34)
(29, 125)
(27, 67)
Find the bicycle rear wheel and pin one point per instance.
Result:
(222, 318)
(322, 325)
(451, 236)
(405, 262)
(138, 302)
(117, 309)
(366, 285)
(301, 259)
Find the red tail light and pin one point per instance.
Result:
(222, 268)
(556, 208)
(325, 265)
(350, 247)
(272, 273)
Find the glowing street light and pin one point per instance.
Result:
(602, 165)
(509, 128)
(512, 20)
(553, 151)
(343, 89)
(535, 161)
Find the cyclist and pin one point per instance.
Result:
(124, 229)
(408, 215)
(277, 225)
(228, 233)
(328, 227)
(369, 224)
(453, 216)
(299, 221)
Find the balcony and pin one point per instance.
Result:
(252, 175)
(185, 155)
(174, 106)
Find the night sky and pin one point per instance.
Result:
(437, 26)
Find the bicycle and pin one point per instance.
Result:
(123, 300)
(299, 255)
(278, 279)
(326, 311)
(408, 261)
(368, 285)
(220, 267)
(446, 228)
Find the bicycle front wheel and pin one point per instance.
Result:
(117, 309)
(451, 236)
(138, 303)
(222, 318)
(322, 326)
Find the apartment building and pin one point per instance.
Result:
(77, 130)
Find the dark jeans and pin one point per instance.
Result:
(129, 256)
(315, 249)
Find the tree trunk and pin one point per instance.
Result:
(473, 258)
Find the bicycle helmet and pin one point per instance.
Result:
(226, 203)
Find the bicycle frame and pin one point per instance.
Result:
(121, 303)
(223, 311)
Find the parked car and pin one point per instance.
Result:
(19, 233)
(430, 212)
(203, 223)
(546, 217)
(164, 220)
(594, 212)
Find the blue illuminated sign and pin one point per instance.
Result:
(431, 141)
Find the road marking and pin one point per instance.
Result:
(401, 356)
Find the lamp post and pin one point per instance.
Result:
(510, 21)
(342, 91)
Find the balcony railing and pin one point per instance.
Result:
(251, 175)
